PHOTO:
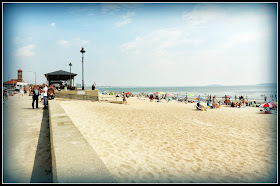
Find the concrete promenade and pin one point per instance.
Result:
(26, 143)
(73, 159)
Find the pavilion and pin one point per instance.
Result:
(59, 77)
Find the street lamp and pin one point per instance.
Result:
(83, 51)
(70, 64)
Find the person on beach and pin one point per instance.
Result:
(235, 98)
(41, 94)
(21, 92)
(45, 95)
(186, 99)
(264, 98)
(25, 90)
(35, 96)
(124, 98)
(214, 104)
(243, 101)
(151, 97)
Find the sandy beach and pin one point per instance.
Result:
(147, 141)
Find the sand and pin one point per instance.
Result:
(147, 141)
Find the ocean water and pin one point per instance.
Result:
(253, 92)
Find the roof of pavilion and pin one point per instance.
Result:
(60, 75)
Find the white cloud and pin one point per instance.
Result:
(25, 51)
(202, 14)
(53, 24)
(160, 39)
(63, 42)
(22, 40)
(84, 42)
(242, 38)
(126, 19)
(113, 8)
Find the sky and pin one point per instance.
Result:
(147, 44)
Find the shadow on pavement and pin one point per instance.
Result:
(42, 169)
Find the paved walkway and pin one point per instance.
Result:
(26, 145)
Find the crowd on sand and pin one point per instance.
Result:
(212, 102)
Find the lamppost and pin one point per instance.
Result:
(83, 51)
(70, 64)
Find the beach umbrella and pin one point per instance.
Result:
(128, 93)
(161, 93)
(190, 95)
(272, 103)
(170, 94)
(266, 105)
(150, 93)
(104, 92)
(111, 93)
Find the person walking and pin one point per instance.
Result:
(45, 95)
(25, 90)
(35, 96)
(124, 98)
(21, 92)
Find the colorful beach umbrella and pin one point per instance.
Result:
(272, 103)
(161, 93)
(170, 94)
(190, 95)
(266, 105)
(128, 93)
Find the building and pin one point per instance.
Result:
(20, 76)
(11, 84)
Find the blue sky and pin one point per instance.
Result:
(148, 44)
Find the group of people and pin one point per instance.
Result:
(43, 92)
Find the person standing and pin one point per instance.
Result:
(25, 90)
(186, 99)
(264, 98)
(45, 95)
(41, 94)
(35, 96)
(93, 86)
(124, 98)
(235, 97)
(21, 92)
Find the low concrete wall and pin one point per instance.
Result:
(78, 94)
(73, 159)
(118, 102)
